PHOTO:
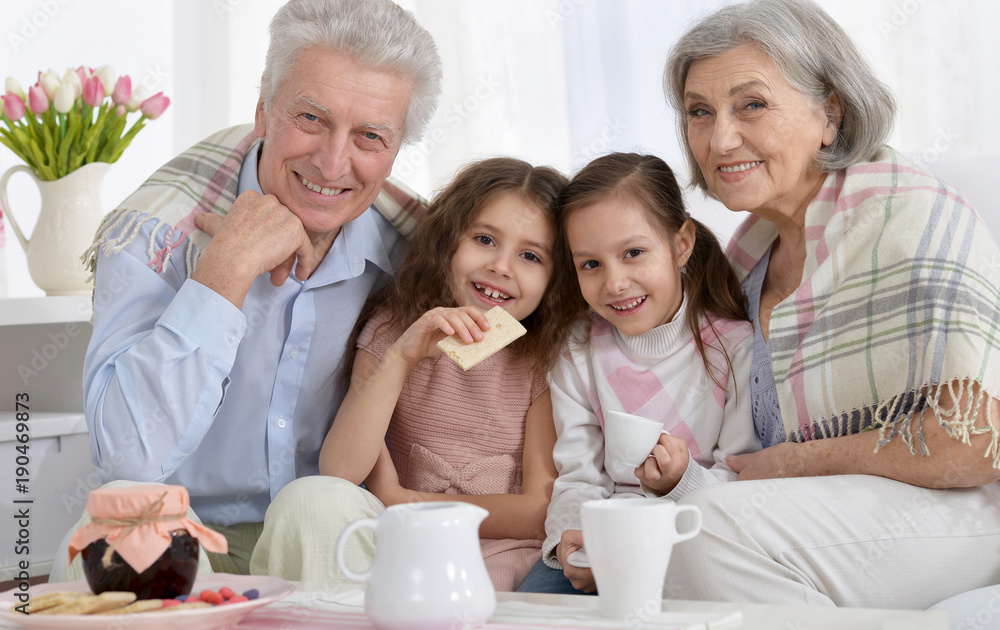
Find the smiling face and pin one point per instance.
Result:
(754, 136)
(628, 272)
(330, 135)
(504, 258)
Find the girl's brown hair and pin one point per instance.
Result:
(423, 280)
(709, 282)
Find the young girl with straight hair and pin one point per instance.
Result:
(414, 426)
(663, 333)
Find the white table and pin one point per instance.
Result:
(767, 617)
(755, 616)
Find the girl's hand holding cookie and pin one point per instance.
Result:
(420, 339)
(666, 464)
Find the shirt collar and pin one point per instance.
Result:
(360, 240)
(248, 171)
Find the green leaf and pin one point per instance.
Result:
(126, 140)
(113, 138)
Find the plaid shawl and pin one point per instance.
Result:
(204, 179)
(898, 303)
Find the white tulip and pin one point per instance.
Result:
(107, 76)
(15, 87)
(50, 83)
(73, 79)
(65, 97)
(139, 94)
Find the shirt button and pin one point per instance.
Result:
(294, 352)
(231, 337)
(281, 423)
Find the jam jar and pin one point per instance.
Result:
(170, 575)
(140, 539)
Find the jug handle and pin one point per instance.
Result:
(353, 526)
(695, 527)
(6, 204)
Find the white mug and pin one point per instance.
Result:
(629, 439)
(628, 543)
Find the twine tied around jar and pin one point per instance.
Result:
(130, 525)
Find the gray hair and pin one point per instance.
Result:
(375, 33)
(814, 55)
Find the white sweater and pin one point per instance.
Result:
(658, 375)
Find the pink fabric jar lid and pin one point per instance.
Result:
(136, 521)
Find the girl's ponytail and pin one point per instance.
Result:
(711, 288)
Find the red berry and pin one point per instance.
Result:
(236, 599)
(226, 592)
(211, 597)
(167, 603)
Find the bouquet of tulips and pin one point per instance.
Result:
(64, 123)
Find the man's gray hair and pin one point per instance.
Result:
(376, 33)
(814, 55)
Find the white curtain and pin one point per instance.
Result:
(575, 79)
(555, 82)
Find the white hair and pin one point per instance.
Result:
(815, 56)
(375, 33)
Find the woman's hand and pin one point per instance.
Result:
(665, 466)
(778, 461)
(420, 339)
(581, 579)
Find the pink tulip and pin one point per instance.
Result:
(123, 90)
(93, 92)
(14, 106)
(155, 105)
(84, 74)
(38, 100)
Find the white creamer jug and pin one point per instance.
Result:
(428, 570)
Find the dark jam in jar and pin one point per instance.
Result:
(172, 574)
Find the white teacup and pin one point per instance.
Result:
(628, 543)
(629, 439)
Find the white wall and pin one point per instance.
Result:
(552, 81)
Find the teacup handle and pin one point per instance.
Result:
(6, 204)
(682, 536)
(342, 542)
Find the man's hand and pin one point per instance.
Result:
(581, 579)
(258, 235)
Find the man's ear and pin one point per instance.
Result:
(260, 119)
(684, 242)
(834, 116)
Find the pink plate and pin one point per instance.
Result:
(217, 617)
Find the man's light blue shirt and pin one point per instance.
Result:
(184, 388)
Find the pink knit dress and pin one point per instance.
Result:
(461, 432)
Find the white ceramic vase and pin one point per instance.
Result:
(70, 214)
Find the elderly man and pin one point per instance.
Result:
(227, 286)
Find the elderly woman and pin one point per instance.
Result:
(873, 289)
